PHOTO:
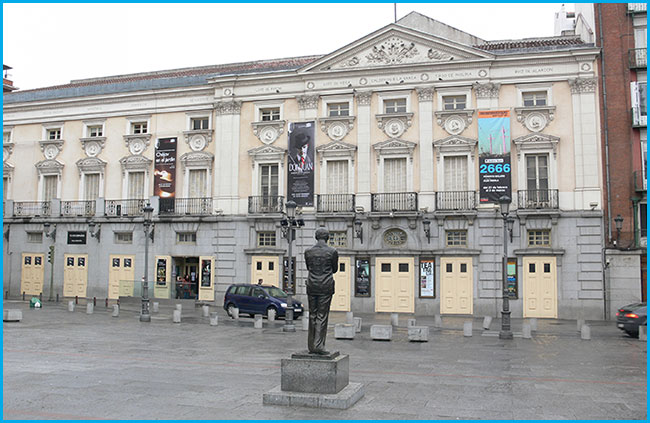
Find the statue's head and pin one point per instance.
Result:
(322, 233)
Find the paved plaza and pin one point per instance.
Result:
(71, 365)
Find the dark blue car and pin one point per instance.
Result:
(258, 299)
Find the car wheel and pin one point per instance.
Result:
(230, 309)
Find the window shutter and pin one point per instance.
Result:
(136, 185)
(91, 186)
(455, 173)
(394, 175)
(49, 187)
(337, 177)
(198, 183)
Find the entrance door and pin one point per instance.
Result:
(31, 276)
(206, 278)
(75, 275)
(162, 276)
(456, 282)
(395, 282)
(540, 287)
(121, 275)
(342, 282)
(265, 268)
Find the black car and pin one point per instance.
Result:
(259, 299)
(630, 317)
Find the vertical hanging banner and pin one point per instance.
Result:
(300, 184)
(494, 155)
(164, 184)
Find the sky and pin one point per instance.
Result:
(51, 44)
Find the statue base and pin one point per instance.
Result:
(345, 399)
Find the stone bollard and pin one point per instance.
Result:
(70, 305)
(357, 324)
(89, 308)
(12, 315)
(206, 310)
(349, 318)
(394, 319)
(580, 322)
(344, 331)
(381, 332)
(176, 317)
(235, 313)
(585, 332)
(533, 324)
(410, 323)
(179, 307)
(258, 322)
(643, 333)
(467, 329)
(214, 319)
(116, 310)
(305, 322)
(437, 321)
(418, 333)
(156, 305)
(526, 331)
(271, 315)
(487, 321)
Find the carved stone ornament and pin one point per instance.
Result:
(93, 145)
(392, 51)
(425, 94)
(51, 148)
(394, 124)
(198, 139)
(232, 107)
(364, 97)
(49, 167)
(536, 142)
(394, 147)
(135, 163)
(336, 149)
(91, 165)
(395, 237)
(268, 131)
(455, 144)
(267, 153)
(336, 127)
(7, 149)
(7, 171)
(307, 102)
(434, 54)
(454, 121)
(535, 119)
(583, 85)
(137, 143)
(487, 90)
(197, 159)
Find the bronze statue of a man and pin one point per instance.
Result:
(322, 262)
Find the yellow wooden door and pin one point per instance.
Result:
(456, 285)
(121, 275)
(540, 287)
(75, 275)
(206, 278)
(32, 273)
(265, 268)
(162, 272)
(342, 282)
(395, 284)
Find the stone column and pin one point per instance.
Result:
(363, 152)
(226, 173)
(426, 198)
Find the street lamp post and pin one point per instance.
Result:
(288, 227)
(506, 332)
(145, 316)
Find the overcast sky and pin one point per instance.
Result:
(51, 44)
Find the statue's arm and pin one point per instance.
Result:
(306, 261)
(335, 261)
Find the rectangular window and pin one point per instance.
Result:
(539, 238)
(5, 188)
(50, 183)
(136, 185)
(266, 239)
(186, 237)
(338, 239)
(403, 267)
(54, 134)
(199, 123)
(269, 180)
(91, 186)
(338, 109)
(454, 102)
(455, 173)
(268, 114)
(397, 105)
(395, 175)
(643, 220)
(95, 131)
(198, 183)
(644, 156)
(456, 238)
(537, 172)
(385, 267)
(124, 237)
(35, 237)
(534, 98)
(258, 265)
(337, 177)
(139, 128)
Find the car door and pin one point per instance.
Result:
(258, 300)
(242, 299)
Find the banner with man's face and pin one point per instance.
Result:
(300, 184)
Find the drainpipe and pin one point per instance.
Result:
(606, 129)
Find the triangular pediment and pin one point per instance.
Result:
(336, 146)
(396, 45)
(536, 141)
(266, 149)
(455, 141)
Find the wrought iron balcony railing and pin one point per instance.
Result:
(638, 58)
(128, 207)
(32, 208)
(395, 201)
(78, 208)
(456, 200)
(335, 203)
(538, 199)
(265, 204)
(189, 206)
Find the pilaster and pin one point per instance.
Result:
(363, 142)
(426, 197)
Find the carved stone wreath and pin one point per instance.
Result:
(337, 127)
(268, 131)
(7, 149)
(93, 145)
(394, 124)
(392, 51)
(137, 143)
(51, 148)
(454, 121)
(198, 139)
(535, 119)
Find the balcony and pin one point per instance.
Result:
(128, 207)
(456, 200)
(185, 206)
(638, 58)
(538, 199)
(32, 208)
(637, 8)
(395, 201)
(265, 204)
(640, 182)
(78, 208)
(334, 203)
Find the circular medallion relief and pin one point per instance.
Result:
(395, 237)
(363, 81)
(92, 149)
(268, 134)
(197, 142)
(454, 125)
(535, 122)
(50, 152)
(227, 91)
(337, 130)
(394, 128)
(482, 73)
(136, 147)
(585, 67)
(310, 85)
(424, 77)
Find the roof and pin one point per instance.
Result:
(532, 44)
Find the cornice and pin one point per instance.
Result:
(197, 159)
(536, 141)
(91, 164)
(455, 144)
(394, 147)
(336, 149)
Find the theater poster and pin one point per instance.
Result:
(494, 155)
(165, 168)
(301, 163)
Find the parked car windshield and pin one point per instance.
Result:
(276, 292)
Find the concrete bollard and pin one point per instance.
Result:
(467, 329)
(305, 322)
(437, 321)
(116, 311)
(418, 333)
(394, 319)
(214, 319)
(89, 308)
(344, 331)
(581, 323)
(156, 306)
(410, 323)
(487, 321)
(526, 331)
(179, 307)
(349, 318)
(70, 305)
(12, 315)
(381, 332)
(176, 316)
(357, 324)
(258, 322)
(206, 311)
(271, 315)
(643, 333)
(235, 313)
(585, 332)
(533, 324)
